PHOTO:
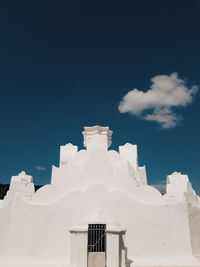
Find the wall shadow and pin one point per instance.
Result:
(124, 261)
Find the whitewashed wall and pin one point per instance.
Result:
(159, 228)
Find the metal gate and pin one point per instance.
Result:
(97, 238)
(96, 245)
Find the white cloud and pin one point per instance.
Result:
(40, 168)
(158, 102)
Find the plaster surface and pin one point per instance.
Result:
(97, 185)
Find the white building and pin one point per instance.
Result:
(99, 211)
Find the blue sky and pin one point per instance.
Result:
(67, 65)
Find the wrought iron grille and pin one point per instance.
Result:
(96, 237)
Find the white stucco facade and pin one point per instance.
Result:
(98, 185)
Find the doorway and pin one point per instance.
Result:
(96, 245)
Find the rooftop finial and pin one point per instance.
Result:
(97, 137)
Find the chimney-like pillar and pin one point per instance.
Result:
(97, 137)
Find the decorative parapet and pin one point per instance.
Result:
(67, 153)
(128, 153)
(180, 189)
(21, 187)
(97, 137)
(21, 178)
